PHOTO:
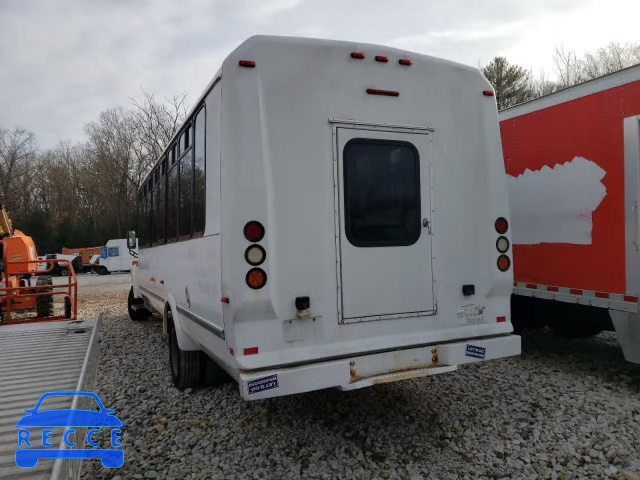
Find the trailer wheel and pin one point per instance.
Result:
(186, 367)
(77, 264)
(136, 314)
(212, 373)
(102, 270)
(64, 271)
(580, 321)
(44, 304)
(67, 307)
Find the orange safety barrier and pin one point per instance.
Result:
(12, 297)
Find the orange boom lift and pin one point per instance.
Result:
(22, 286)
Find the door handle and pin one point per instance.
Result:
(426, 224)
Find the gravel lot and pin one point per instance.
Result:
(565, 409)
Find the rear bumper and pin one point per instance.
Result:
(366, 370)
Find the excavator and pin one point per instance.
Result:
(19, 268)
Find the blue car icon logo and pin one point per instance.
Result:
(69, 420)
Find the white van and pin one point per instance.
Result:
(116, 257)
(331, 214)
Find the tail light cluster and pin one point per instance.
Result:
(502, 244)
(255, 255)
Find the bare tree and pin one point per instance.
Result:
(572, 70)
(540, 85)
(17, 154)
(155, 125)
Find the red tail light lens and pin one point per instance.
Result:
(502, 225)
(253, 231)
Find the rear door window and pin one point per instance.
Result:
(382, 193)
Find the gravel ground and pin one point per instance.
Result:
(565, 409)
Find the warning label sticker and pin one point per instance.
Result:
(262, 384)
(472, 313)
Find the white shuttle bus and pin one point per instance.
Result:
(331, 214)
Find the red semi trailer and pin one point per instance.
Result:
(572, 160)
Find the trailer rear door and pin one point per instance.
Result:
(384, 216)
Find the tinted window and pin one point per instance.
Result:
(172, 203)
(153, 207)
(382, 193)
(199, 173)
(161, 202)
(185, 193)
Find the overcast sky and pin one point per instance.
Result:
(64, 61)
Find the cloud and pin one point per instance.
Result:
(65, 61)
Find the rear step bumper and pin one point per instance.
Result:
(367, 370)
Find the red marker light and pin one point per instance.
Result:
(247, 63)
(251, 351)
(224, 299)
(358, 55)
(380, 58)
(501, 319)
(253, 231)
(502, 225)
(404, 61)
(387, 93)
(488, 93)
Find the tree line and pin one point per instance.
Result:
(83, 194)
(513, 84)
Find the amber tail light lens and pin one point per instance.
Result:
(256, 278)
(504, 263)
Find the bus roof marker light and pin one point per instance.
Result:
(358, 55)
(488, 93)
(382, 59)
(405, 61)
(247, 63)
(385, 93)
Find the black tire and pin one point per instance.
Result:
(64, 271)
(140, 313)
(76, 263)
(186, 367)
(44, 304)
(579, 321)
(67, 307)
(212, 373)
(102, 270)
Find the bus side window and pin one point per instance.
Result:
(199, 173)
(172, 196)
(161, 202)
(152, 211)
(186, 188)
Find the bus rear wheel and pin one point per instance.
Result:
(186, 367)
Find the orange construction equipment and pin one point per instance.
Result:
(85, 252)
(19, 267)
